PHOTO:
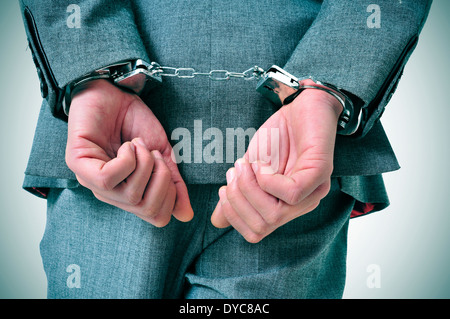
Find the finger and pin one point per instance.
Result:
(290, 189)
(183, 210)
(97, 174)
(218, 218)
(235, 220)
(157, 188)
(274, 212)
(242, 207)
(137, 182)
(264, 203)
(169, 202)
(131, 191)
(288, 212)
(152, 208)
(162, 218)
(267, 144)
(158, 219)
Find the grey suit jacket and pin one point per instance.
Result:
(352, 44)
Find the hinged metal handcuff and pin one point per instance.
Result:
(275, 84)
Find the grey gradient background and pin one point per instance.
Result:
(409, 241)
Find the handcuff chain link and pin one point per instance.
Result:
(253, 73)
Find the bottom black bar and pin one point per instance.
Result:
(242, 308)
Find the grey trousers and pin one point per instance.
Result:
(93, 250)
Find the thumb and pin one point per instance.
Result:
(218, 218)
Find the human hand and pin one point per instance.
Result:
(267, 189)
(118, 149)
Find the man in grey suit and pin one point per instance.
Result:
(150, 192)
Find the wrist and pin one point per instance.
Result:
(348, 116)
(100, 95)
(133, 76)
(99, 90)
(282, 88)
(324, 98)
(92, 85)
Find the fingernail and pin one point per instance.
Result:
(139, 141)
(255, 167)
(261, 167)
(133, 148)
(230, 175)
(157, 154)
(238, 164)
(222, 195)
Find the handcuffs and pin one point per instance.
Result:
(281, 88)
(275, 84)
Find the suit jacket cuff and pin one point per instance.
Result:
(342, 48)
(63, 51)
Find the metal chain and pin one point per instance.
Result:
(253, 73)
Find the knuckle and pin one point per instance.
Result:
(322, 190)
(253, 238)
(273, 218)
(325, 188)
(149, 209)
(149, 212)
(324, 170)
(129, 162)
(160, 221)
(312, 207)
(263, 182)
(294, 195)
(228, 212)
(244, 184)
(146, 158)
(133, 197)
(315, 205)
(232, 193)
(100, 197)
(81, 181)
(104, 182)
(164, 172)
(97, 196)
(259, 228)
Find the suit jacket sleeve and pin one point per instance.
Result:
(361, 48)
(64, 51)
